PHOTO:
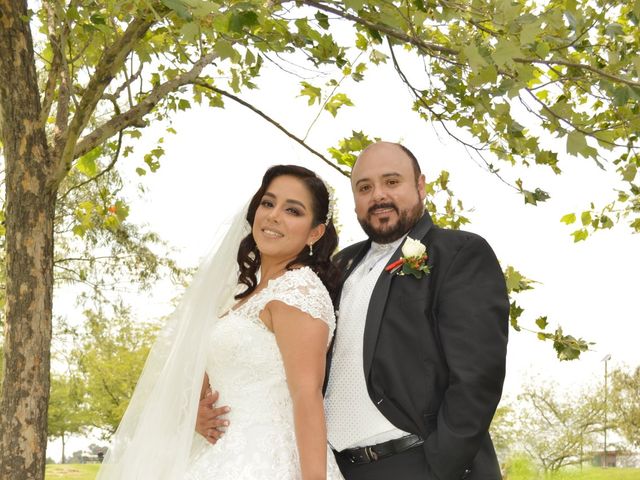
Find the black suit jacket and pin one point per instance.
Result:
(435, 348)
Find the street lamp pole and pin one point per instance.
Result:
(606, 374)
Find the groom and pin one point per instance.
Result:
(417, 366)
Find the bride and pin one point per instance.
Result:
(256, 322)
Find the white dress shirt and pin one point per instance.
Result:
(352, 418)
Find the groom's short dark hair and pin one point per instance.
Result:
(414, 161)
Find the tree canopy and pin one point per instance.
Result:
(625, 405)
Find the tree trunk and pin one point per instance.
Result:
(63, 461)
(30, 204)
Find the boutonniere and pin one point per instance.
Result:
(413, 260)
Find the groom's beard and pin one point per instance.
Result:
(390, 233)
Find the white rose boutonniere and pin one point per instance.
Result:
(413, 261)
(413, 248)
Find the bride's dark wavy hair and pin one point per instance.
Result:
(320, 262)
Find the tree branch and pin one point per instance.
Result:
(581, 66)
(127, 84)
(417, 42)
(438, 117)
(108, 168)
(381, 28)
(109, 64)
(134, 115)
(274, 123)
(56, 63)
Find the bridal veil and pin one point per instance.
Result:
(157, 433)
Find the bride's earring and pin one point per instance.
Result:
(311, 249)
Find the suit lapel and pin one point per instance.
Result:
(381, 292)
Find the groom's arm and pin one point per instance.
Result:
(472, 312)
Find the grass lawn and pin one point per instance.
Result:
(89, 471)
(599, 474)
(72, 472)
(590, 473)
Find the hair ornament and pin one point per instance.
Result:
(332, 202)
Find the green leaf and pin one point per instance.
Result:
(573, 23)
(225, 49)
(621, 96)
(314, 93)
(179, 7)
(87, 163)
(488, 74)
(141, 171)
(629, 173)
(323, 20)
(569, 218)
(634, 92)
(580, 235)
(547, 157)
(507, 10)
(636, 9)
(636, 61)
(576, 143)
(357, 142)
(514, 313)
(567, 347)
(605, 222)
(536, 196)
(87, 166)
(354, 4)
(614, 29)
(190, 31)
(97, 19)
(240, 20)
(361, 42)
(337, 101)
(529, 33)
(516, 282)
(512, 278)
(505, 52)
(542, 323)
(220, 23)
(473, 56)
(79, 230)
(377, 57)
(585, 218)
(542, 49)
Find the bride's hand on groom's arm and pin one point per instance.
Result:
(210, 422)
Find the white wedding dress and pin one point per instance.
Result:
(244, 364)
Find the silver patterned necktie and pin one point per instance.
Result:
(376, 252)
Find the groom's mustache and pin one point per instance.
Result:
(382, 205)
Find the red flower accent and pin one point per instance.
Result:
(394, 265)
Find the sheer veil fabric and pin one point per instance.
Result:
(156, 436)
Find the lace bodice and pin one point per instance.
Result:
(245, 366)
(300, 288)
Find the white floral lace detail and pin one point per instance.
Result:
(300, 288)
(246, 368)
